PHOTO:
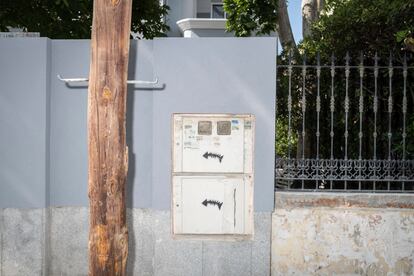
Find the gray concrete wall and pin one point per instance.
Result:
(343, 234)
(152, 251)
(23, 240)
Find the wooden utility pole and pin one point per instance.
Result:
(108, 153)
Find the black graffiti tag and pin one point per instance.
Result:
(212, 202)
(213, 155)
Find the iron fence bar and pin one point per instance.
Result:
(346, 105)
(390, 74)
(404, 110)
(303, 109)
(332, 108)
(290, 108)
(361, 110)
(290, 104)
(375, 109)
(318, 110)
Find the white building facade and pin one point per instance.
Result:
(196, 18)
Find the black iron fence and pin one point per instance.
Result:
(346, 127)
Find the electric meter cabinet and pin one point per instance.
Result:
(212, 175)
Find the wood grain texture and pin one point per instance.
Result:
(108, 153)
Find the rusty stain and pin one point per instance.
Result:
(374, 220)
(321, 202)
(400, 205)
(116, 267)
(102, 246)
(115, 2)
(340, 202)
(106, 94)
(122, 246)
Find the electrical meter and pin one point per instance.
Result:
(212, 174)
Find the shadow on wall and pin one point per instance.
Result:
(131, 157)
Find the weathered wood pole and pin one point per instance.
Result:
(108, 153)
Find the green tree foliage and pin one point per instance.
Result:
(65, 19)
(354, 26)
(285, 143)
(247, 16)
(370, 26)
(362, 29)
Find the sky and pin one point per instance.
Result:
(294, 10)
(295, 15)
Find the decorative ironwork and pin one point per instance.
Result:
(382, 172)
(345, 170)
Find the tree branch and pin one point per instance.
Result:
(284, 29)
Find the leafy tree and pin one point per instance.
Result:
(366, 27)
(64, 19)
(245, 17)
(370, 26)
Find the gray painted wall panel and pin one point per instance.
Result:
(23, 128)
(215, 75)
(68, 154)
(69, 161)
(139, 125)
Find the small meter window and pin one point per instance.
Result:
(223, 127)
(204, 128)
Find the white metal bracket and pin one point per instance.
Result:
(72, 80)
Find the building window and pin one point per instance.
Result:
(217, 11)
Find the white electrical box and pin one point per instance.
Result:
(212, 174)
